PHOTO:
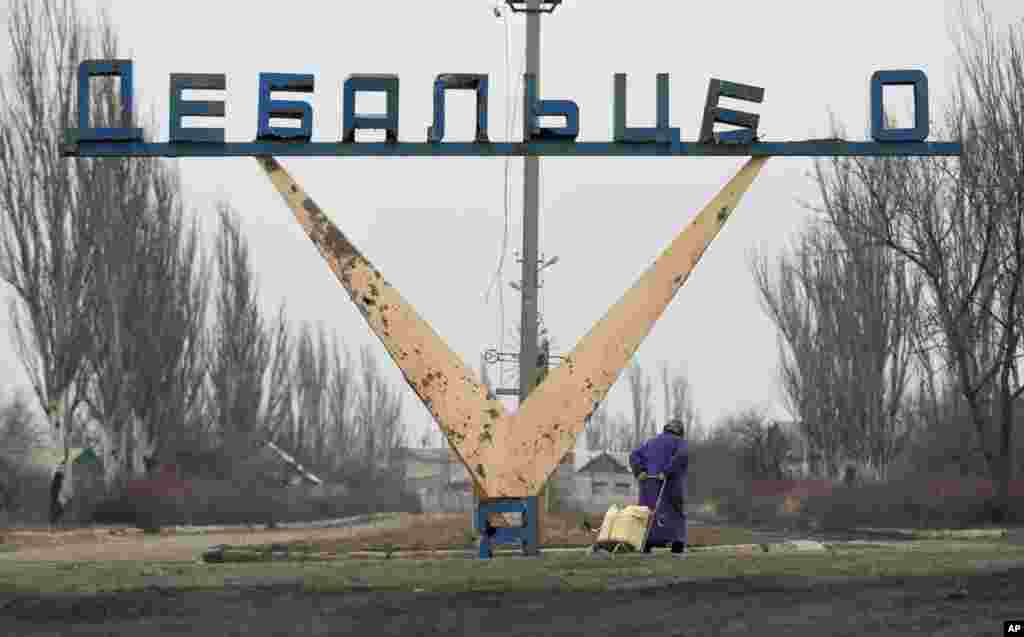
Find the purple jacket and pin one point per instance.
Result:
(669, 454)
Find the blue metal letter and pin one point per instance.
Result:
(459, 81)
(713, 113)
(919, 81)
(535, 108)
(284, 109)
(105, 68)
(662, 133)
(387, 121)
(191, 108)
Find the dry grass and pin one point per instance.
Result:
(572, 571)
(404, 531)
(454, 530)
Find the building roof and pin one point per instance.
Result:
(584, 457)
(604, 463)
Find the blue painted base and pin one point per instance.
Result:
(527, 535)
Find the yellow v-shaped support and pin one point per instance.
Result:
(512, 455)
(547, 424)
(447, 387)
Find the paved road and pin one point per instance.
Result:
(778, 606)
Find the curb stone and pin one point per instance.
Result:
(791, 545)
(752, 584)
(337, 523)
(804, 545)
(646, 583)
(161, 582)
(268, 581)
(998, 566)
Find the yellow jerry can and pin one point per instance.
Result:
(606, 526)
(624, 526)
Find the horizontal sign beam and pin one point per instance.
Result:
(510, 149)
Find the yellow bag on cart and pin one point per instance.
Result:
(624, 526)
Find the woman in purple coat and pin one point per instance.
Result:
(664, 458)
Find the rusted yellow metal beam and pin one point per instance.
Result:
(448, 388)
(511, 455)
(546, 426)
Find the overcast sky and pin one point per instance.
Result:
(434, 226)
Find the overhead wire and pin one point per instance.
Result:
(511, 108)
(505, 204)
(514, 98)
(540, 288)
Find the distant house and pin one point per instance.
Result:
(438, 478)
(443, 484)
(601, 481)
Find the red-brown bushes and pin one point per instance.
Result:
(923, 502)
(225, 502)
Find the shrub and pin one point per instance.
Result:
(24, 492)
(224, 502)
(915, 503)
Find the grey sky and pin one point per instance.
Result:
(434, 226)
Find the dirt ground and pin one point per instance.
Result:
(974, 605)
(406, 531)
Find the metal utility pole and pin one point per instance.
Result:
(531, 213)
(528, 287)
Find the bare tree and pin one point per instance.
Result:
(679, 403)
(666, 387)
(307, 430)
(19, 430)
(598, 436)
(640, 390)
(807, 376)
(621, 433)
(341, 400)
(846, 314)
(766, 448)
(683, 406)
(45, 232)
(960, 224)
(249, 367)
(147, 362)
(171, 338)
(378, 414)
